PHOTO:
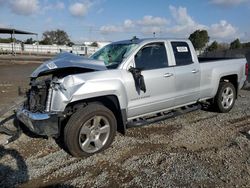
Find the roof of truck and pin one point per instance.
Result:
(137, 40)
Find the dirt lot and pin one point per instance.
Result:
(199, 149)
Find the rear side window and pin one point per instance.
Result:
(182, 53)
(152, 56)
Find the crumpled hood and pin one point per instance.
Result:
(68, 60)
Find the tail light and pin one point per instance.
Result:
(247, 70)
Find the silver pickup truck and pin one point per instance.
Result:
(125, 84)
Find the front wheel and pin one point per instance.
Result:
(225, 97)
(90, 130)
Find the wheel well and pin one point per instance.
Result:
(109, 101)
(232, 79)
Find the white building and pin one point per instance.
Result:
(78, 49)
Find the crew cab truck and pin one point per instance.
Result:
(125, 84)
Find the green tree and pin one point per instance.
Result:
(6, 40)
(246, 45)
(58, 36)
(94, 44)
(29, 41)
(199, 38)
(71, 44)
(224, 46)
(213, 47)
(235, 44)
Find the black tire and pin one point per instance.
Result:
(80, 145)
(221, 103)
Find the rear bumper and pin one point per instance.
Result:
(44, 124)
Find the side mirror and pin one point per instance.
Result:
(138, 78)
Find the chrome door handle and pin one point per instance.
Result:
(168, 74)
(195, 71)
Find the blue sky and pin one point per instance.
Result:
(112, 20)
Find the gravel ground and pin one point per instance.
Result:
(198, 149)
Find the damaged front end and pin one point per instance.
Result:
(42, 112)
(35, 112)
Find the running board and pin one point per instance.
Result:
(162, 116)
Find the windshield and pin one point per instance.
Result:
(113, 54)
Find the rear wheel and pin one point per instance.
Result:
(90, 130)
(225, 97)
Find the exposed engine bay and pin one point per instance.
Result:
(38, 94)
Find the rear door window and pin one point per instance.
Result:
(182, 53)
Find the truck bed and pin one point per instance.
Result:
(212, 59)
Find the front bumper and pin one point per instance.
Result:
(44, 124)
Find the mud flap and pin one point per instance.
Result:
(138, 78)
